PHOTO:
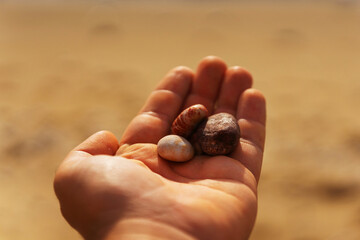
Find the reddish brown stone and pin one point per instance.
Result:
(185, 124)
(218, 135)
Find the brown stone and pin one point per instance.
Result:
(187, 121)
(218, 135)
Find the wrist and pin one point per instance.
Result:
(137, 228)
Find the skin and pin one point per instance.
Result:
(110, 189)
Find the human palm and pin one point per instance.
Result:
(109, 189)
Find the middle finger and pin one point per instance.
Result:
(208, 79)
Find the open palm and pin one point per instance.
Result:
(109, 189)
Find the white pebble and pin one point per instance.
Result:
(175, 148)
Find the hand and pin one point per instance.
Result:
(111, 190)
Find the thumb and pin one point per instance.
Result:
(103, 142)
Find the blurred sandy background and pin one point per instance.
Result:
(68, 70)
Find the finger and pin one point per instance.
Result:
(250, 156)
(155, 118)
(103, 142)
(252, 117)
(236, 81)
(207, 82)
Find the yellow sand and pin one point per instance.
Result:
(68, 71)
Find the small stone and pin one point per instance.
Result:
(218, 135)
(175, 148)
(187, 121)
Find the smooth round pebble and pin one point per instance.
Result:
(175, 148)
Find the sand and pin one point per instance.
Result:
(67, 71)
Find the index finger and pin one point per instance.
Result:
(155, 118)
